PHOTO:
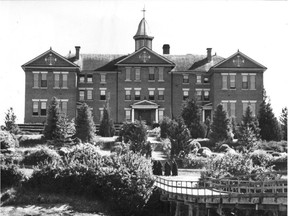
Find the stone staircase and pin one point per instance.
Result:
(32, 127)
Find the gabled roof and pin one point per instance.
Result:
(145, 56)
(110, 66)
(203, 65)
(49, 59)
(144, 104)
(239, 60)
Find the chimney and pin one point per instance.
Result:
(77, 48)
(166, 49)
(209, 57)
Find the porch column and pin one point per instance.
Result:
(157, 115)
(203, 115)
(177, 210)
(132, 115)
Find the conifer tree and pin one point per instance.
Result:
(268, 123)
(84, 124)
(106, 125)
(248, 120)
(191, 115)
(10, 121)
(283, 121)
(220, 125)
(51, 132)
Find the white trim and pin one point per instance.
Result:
(161, 89)
(233, 101)
(244, 74)
(64, 100)
(56, 72)
(43, 72)
(253, 101)
(137, 89)
(224, 74)
(81, 88)
(186, 89)
(102, 89)
(89, 89)
(128, 89)
(252, 74)
(206, 89)
(43, 100)
(101, 108)
(151, 89)
(225, 101)
(198, 89)
(245, 101)
(128, 109)
(232, 74)
(35, 72)
(64, 72)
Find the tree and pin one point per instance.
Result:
(268, 123)
(10, 121)
(84, 124)
(191, 115)
(65, 128)
(220, 125)
(106, 125)
(283, 121)
(179, 136)
(51, 130)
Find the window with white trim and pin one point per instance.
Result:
(244, 81)
(199, 94)
(206, 95)
(206, 79)
(161, 94)
(65, 80)
(102, 94)
(35, 106)
(137, 74)
(185, 78)
(101, 112)
(225, 106)
(81, 95)
(137, 94)
(232, 81)
(35, 79)
(245, 105)
(102, 78)
(64, 106)
(232, 108)
(89, 78)
(128, 73)
(81, 78)
(56, 80)
(89, 94)
(161, 113)
(185, 94)
(43, 108)
(44, 79)
(151, 94)
(252, 81)
(160, 74)
(151, 74)
(224, 81)
(127, 93)
(128, 114)
(199, 79)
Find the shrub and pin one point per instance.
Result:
(8, 140)
(280, 146)
(30, 140)
(224, 148)
(194, 145)
(279, 163)
(10, 122)
(164, 127)
(261, 158)
(40, 155)
(10, 175)
(192, 161)
(106, 125)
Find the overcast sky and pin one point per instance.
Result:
(259, 29)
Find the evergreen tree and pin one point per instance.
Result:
(65, 128)
(283, 121)
(10, 121)
(248, 120)
(220, 125)
(191, 115)
(268, 123)
(51, 131)
(106, 125)
(164, 127)
(84, 124)
(179, 136)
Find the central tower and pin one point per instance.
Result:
(142, 37)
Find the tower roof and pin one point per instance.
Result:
(143, 29)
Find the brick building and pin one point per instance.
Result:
(142, 85)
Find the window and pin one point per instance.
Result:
(137, 94)
(82, 78)
(206, 95)
(127, 94)
(89, 94)
(128, 114)
(35, 111)
(199, 79)
(103, 78)
(185, 78)
(161, 74)
(225, 106)
(160, 94)
(252, 82)
(56, 80)
(151, 95)
(36, 79)
(161, 114)
(101, 111)
(185, 94)
(64, 106)
(64, 80)
(245, 105)
(199, 94)
(232, 81)
(253, 107)
(128, 74)
(244, 81)
(43, 110)
(81, 95)
(137, 74)
(102, 94)
(206, 80)
(232, 108)
(44, 80)
(224, 81)
(89, 78)
(151, 74)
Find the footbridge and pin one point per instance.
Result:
(225, 196)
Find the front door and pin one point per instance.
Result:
(145, 115)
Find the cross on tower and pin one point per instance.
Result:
(144, 56)
(143, 11)
(50, 60)
(238, 61)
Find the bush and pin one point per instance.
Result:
(10, 175)
(261, 158)
(275, 146)
(8, 140)
(192, 161)
(124, 181)
(30, 140)
(279, 163)
(164, 127)
(40, 156)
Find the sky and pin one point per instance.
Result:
(258, 29)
